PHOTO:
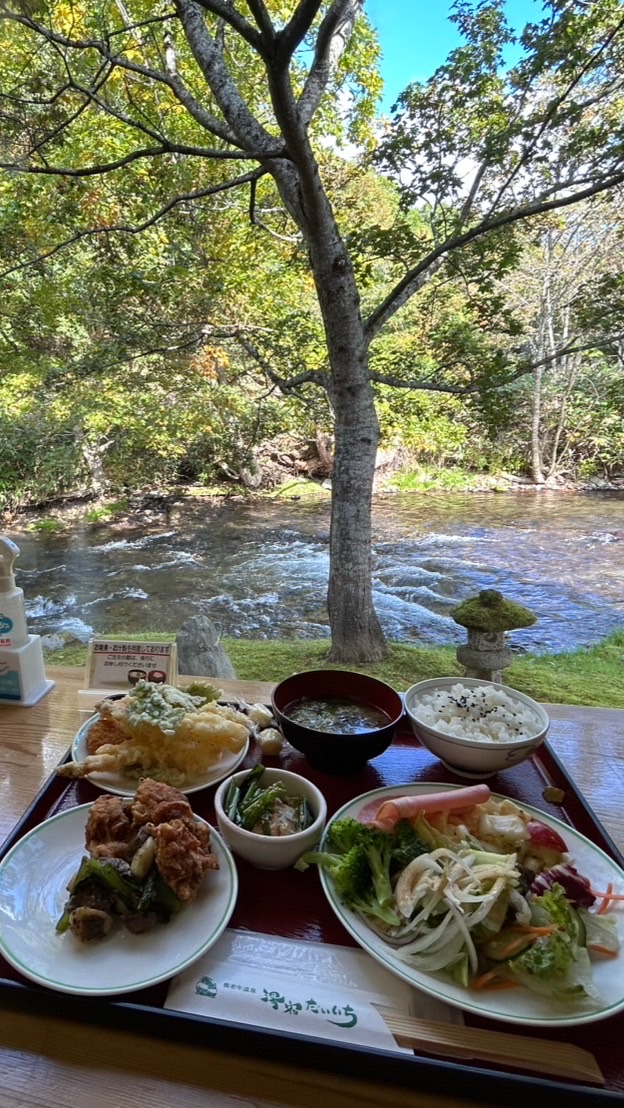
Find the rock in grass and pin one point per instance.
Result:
(199, 650)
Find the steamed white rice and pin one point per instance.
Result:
(481, 713)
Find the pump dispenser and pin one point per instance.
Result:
(13, 630)
(22, 674)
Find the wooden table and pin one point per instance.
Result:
(61, 1064)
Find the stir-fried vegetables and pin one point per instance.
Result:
(132, 896)
(487, 896)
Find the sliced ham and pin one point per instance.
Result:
(387, 814)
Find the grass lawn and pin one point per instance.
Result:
(593, 675)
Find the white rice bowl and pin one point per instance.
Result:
(482, 713)
(475, 727)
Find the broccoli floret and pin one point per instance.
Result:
(377, 846)
(360, 872)
(352, 873)
(362, 862)
(343, 834)
(406, 845)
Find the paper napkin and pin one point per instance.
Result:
(312, 989)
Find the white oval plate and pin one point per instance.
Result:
(123, 785)
(33, 891)
(513, 1005)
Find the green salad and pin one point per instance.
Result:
(484, 912)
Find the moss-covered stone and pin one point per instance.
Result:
(490, 611)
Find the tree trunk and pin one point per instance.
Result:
(537, 472)
(537, 467)
(92, 456)
(356, 632)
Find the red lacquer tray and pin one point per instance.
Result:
(292, 904)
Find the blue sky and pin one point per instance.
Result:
(416, 37)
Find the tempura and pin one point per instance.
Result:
(161, 732)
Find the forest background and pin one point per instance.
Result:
(171, 357)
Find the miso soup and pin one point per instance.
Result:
(336, 716)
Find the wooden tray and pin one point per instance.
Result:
(290, 904)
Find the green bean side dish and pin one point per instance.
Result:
(266, 810)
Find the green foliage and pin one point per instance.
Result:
(120, 359)
(105, 512)
(46, 526)
(425, 477)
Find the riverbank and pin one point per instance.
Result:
(592, 676)
(53, 515)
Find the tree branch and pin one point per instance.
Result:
(209, 56)
(264, 21)
(104, 71)
(205, 119)
(307, 377)
(227, 12)
(293, 34)
(332, 39)
(255, 222)
(426, 385)
(550, 114)
(135, 155)
(421, 273)
(130, 229)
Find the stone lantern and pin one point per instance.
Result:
(487, 617)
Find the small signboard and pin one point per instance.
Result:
(115, 665)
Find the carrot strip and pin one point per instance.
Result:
(606, 900)
(523, 942)
(526, 937)
(603, 950)
(482, 981)
(492, 980)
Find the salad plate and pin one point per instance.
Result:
(33, 890)
(518, 1005)
(122, 784)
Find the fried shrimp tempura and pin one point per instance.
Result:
(161, 732)
(106, 731)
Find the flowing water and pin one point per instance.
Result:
(259, 570)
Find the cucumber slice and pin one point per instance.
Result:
(497, 949)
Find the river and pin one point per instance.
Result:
(259, 569)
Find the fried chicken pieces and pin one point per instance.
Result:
(148, 856)
(182, 846)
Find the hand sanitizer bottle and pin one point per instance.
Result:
(13, 629)
(23, 680)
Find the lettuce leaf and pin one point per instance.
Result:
(556, 965)
(600, 931)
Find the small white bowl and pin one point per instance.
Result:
(470, 757)
(273, 851)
